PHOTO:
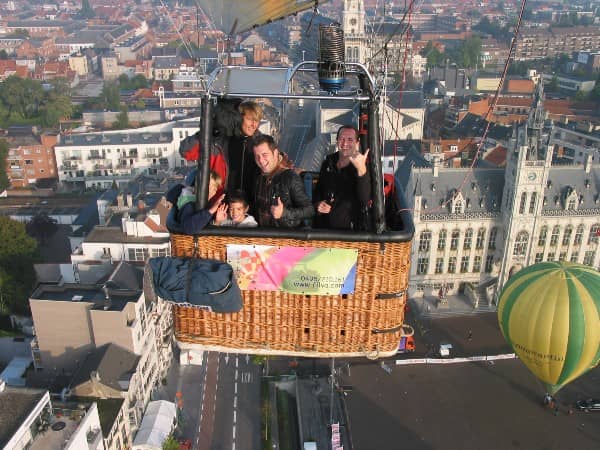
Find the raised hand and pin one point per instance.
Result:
(221, 214)
(277, 210)
(359, 160)
(215, 205)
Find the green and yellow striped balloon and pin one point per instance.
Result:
(550, 314)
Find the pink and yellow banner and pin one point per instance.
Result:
(298, 270)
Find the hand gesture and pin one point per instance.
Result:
(215, 205)
(359, 161)
(277, 210)
(221, 213)
(323, 207)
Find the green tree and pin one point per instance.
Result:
(553, 86)
(21, 32)
(4, 182)
(55, 108)
(41, 226)
(470, 52)
(122, 121)
(18, 253)
(170, 444)
(581, 96)
(111, 96)
(433, 55)
(86, 11)
(595, 93)
(140, 104)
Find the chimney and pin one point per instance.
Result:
(129, 200)
(436, 166)
(587, 165)
(107, 300)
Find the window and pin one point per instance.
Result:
(468, 239)
(572, 204)
(422, 266)
(588, 258)
(464, 264)
(477, 263)
(442, 240)
(532, 202)
(555, 235)
(594, 233)
(578, 235)
(480, 238)
(562, 256)
(520, 247)
(439, 265)
(566, 240)
(539, 257)
(543, 235)
(454, 239)
(452, 264)
(425, 241)
(106, 251)
(550, 256)
(492, 241)
(523, 203)
(138, 254)
(574, 257)
(158, 252)
(489, 263)
(458, 207)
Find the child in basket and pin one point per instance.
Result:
(238, 216)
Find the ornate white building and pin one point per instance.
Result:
(473, 228)
(355, 37)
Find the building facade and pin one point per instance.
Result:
(101, 159)
(474, 227)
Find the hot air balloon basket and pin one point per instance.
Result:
(367, 322)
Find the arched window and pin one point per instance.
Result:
(454, 239)
(458, 207)
(468, 239)
(579, 235)
(492, 241)
(523, 203)
(520, 247)
(543, 236)
(442, 240)
(555, 234)
(480, 238)
(566, 240)
(425, 241)
(594, 233)
(532, 202)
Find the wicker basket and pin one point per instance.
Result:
(368, 322)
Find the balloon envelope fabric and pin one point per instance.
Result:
(550, 314)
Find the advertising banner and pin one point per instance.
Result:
(297, 270)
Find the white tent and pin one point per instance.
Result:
(157, 424)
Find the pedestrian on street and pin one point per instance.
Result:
(470, 335)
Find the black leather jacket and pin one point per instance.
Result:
(287, 185)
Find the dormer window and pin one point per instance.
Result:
(572, 200)
(458, 204)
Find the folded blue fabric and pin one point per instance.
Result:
(196, 282)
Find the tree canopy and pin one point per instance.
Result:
(18, 253)
(4, 182)
(24, 101)
(41, 226)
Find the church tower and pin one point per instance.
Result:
(353, 24)
(528, 163)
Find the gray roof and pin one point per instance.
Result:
(87, 293)
(482, 190)
(116, 235)
(564, 179)
(409, 99)
(167, 62)
(126, 276)
(85, 140)
(83, 36)
(474, 126)
(15, 406)
(112, 363)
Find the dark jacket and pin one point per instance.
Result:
(242, 166)
(351, 195)
(287, 185)
(185, 220)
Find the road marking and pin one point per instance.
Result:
(234, 418)
(236, 375)
(235, 392)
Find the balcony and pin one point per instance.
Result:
(73, 158)
(68, 167)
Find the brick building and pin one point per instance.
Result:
(30, 158)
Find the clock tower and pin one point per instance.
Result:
(353, 24)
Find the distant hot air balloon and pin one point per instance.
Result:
(550, 314)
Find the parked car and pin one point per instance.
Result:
(591, 404)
